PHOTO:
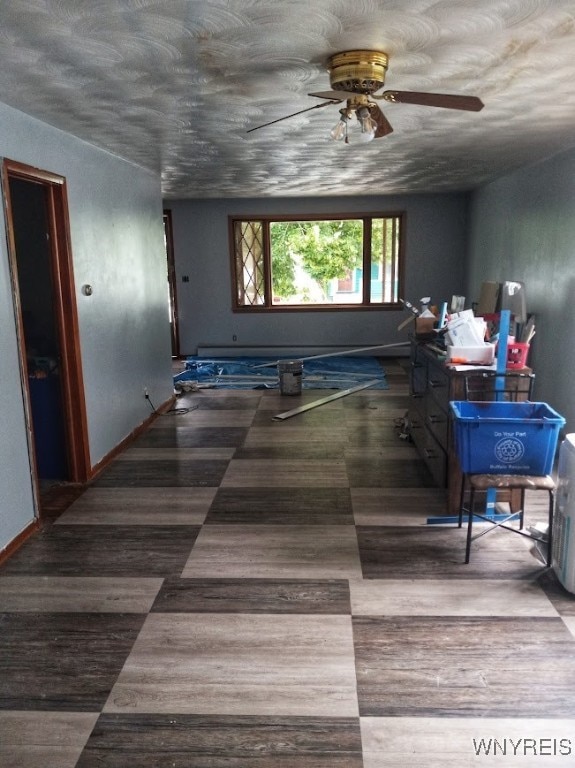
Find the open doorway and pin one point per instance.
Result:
(44, 299)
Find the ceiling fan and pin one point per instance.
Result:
(355, 77)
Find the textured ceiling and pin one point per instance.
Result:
(174, 86)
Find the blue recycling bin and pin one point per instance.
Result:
(506, 438)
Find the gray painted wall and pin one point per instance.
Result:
(436, 241)
(522, 227)
(118, 247)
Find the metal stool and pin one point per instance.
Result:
(508, 483)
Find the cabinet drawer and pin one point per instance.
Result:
(418, 402)
(437, 420)
(417, 428)
(418, 383)
(435, 459)
(438, 387)
(428, 448)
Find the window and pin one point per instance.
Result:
(313, 263)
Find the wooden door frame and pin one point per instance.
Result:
(65, 309)
(172, 281)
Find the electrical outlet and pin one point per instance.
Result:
(234, 337)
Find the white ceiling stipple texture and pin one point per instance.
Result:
(175, 85)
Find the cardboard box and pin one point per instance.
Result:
(489, 297)
(424, 325)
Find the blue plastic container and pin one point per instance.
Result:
(506, 438)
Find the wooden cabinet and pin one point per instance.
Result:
(432, 386)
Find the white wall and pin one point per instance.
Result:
(117, 245)
(436, 229)
(523, 228)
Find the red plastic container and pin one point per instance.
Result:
(517, 352)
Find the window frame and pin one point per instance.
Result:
(367, 217)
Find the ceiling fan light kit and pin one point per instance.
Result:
(361, 108)
(339, 130)
(355, 77)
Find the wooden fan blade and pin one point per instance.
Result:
(293, 114)
(383, 126)
(445, 100)
(333, 95)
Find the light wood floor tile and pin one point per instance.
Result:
(175, 454)
(267, 473)
(43, 739)
(211, 417)
(295, 435)
(274, 401)
(376, 399)
(397, 506)
(425, 597)
(570, 623)
(62, 594)
(137, 506)
(314, 418)
(222, 399)
(239, 664)
(373, 438)
(383, 417)
(421, 742)
(274, 551)
(408, 471)
(307, 452)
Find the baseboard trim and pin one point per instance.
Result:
(134, 434)
(17, 542)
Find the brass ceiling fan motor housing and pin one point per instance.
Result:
(358, 71)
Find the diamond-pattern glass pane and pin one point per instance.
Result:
(249, 262)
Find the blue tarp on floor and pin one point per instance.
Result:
(340, 372)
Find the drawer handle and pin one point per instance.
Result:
(436, 384)
(430, 454)
(436, 419)
(416, 395)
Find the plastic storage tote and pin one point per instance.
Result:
(506, 438)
